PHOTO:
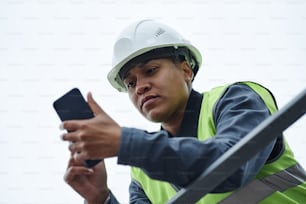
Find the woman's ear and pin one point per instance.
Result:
(188, 73)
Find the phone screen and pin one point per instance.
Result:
(73, 106)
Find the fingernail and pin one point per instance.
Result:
(62, 136)
(75, 156)
(61, 127)
(90, 171)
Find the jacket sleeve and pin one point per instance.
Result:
(180, 160)
(137, 195)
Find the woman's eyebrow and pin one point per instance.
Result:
(140, 65)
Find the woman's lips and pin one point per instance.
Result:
(147, 100)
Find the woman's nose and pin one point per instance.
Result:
(142, 87)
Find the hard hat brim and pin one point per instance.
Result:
(113, 75)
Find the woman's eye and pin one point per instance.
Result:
(151, 70)
(131, 84)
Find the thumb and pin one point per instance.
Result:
(94, 106)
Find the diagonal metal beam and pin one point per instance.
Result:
(245, 149)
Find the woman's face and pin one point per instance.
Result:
(159, 89)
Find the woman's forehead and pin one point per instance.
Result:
(127, 71)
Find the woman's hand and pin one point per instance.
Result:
(95, 138)
(91, 184)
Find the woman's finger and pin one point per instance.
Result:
(70, 125)
(80, 156)
(70, 136)
(73, 162)
(94, 106)
(75, 147)
(74, 171)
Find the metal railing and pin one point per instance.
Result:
(245, 149)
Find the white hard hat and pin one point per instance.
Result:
(141, 37)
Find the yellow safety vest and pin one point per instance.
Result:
(282, 181)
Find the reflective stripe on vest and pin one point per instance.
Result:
(259, 189)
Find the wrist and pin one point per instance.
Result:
(101, 199)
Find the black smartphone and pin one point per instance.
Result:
(73, 106)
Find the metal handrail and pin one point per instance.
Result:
(241, 152)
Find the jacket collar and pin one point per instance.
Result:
(189, 125)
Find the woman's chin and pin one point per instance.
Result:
(154, 116)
